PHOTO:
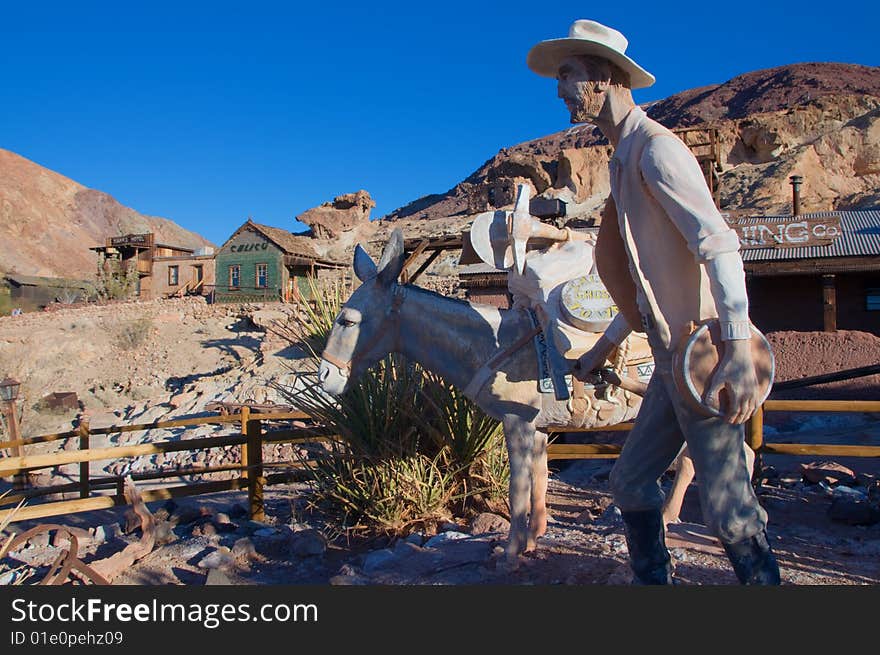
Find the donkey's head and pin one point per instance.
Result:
(367, 326)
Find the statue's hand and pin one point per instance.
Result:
(736, 376)
(593, 359)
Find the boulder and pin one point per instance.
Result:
(305, 543)
(345, 213)
(488, 522)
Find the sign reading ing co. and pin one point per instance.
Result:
(790, 232)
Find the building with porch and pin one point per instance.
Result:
(263, 263)
(162, 269)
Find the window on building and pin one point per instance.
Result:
(173, 276)
(872, 299)
(234, 276)
(262, 276)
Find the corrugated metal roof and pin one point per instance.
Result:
(860, 237)
(54, 282)
(478, 269)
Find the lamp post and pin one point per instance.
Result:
(8, 395)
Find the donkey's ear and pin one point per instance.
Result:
(391, 262)
(364, 266)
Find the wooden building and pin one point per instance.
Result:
(31, 292)
(812, 272)
(183, 275)
(159, 264)
(265, 263)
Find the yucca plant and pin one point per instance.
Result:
(408, 447)
(326, 299)
(389, 496)
(453, 421)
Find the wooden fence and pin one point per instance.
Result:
(255, 432)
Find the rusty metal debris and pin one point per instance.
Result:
(99, 572)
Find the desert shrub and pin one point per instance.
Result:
(115, 280)
(410, 450)
(133, 334)
(71, 293)
(5, 300)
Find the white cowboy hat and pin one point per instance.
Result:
(587, 37)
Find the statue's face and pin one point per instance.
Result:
(582, 83)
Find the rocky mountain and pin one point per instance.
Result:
(817, 120)
(48, 222)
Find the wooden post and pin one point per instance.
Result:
(19, 480)
(755, 430)
(83, 429)
(245, 456)
(755, 440)
(829, 303)
(256, 481)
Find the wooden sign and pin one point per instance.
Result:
(786, 232)
(139, 240)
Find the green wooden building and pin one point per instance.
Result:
(262, 263)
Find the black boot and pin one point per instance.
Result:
(753, 560)
(645, 538)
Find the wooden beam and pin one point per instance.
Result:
(404, 276)
(822, 406)
(9, 465)
(829, 303)
(105, 502)
(421, 269)
(158, 425)
(812, 266)
(582, 451)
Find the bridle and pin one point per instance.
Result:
(398, 293)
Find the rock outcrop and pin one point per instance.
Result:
(347, 212)
(53, 221)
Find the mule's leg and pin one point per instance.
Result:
(750, 458)
(518, 434)
(538, 513)
(684, 475)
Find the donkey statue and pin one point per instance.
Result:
(456, 339)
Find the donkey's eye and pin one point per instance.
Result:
(344, 322)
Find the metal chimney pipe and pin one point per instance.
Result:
(795, 181)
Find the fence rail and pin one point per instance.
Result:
(251, 466)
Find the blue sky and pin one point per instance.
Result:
(207, 113)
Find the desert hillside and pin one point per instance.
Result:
(818, 120)
(53, 221)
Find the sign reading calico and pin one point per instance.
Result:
(249, 247)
